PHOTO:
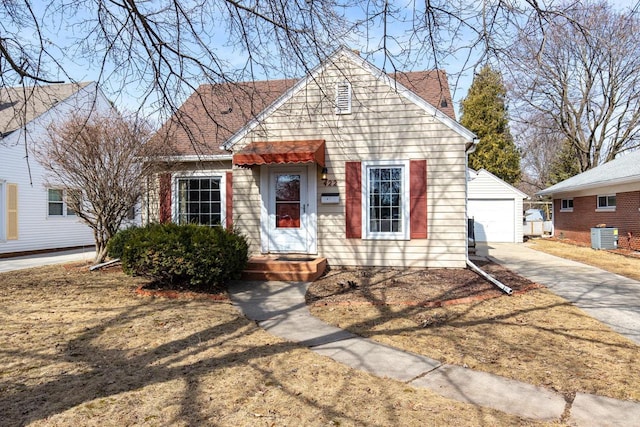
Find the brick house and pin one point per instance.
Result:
(348, 163)
(608, 194)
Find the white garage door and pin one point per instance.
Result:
(493, 220)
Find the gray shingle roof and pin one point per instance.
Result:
(19, 106)
(622, 170)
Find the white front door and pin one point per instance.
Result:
(290, 217)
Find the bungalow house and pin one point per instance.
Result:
(33, 215)
(348, 163)
(608, 194)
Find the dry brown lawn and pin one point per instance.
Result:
(81, 348)
(535, 337)
(618, 263)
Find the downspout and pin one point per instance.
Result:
(507, 290)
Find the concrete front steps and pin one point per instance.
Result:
(288, 268)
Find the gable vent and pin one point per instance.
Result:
(343, 98)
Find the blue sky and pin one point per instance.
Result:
(78, 67)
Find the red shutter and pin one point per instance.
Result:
(165, 198)
(418, 198)
(353, 199)
(229, 205)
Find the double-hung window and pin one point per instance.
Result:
(199, 200)
(566, 205)
(385, 200)
(607, 202)
(57, 202)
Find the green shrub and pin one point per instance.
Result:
(115, 247)
(191, 256)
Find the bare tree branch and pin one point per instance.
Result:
(581, 72)
(101, 161)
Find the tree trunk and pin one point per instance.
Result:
(101, 252)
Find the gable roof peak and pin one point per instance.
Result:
(217, 115)
(20, 105)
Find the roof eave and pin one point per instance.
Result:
(195, 158)
(588, 186)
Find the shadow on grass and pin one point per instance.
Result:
(98, 371)
(570, 350)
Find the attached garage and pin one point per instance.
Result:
(495, 207)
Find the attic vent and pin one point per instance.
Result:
(343, 98)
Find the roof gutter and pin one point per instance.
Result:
(504, 288)
(194, 158)
(471, 146)
(588, 186)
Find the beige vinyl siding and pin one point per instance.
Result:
(247, 205)
(383, 125)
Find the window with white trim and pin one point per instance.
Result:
(343, 98)
(57, 202)
(199, 200)
(607, 202)
(385, 201)
(566, 205)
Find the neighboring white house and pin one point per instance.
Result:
(495, 207)
(34, 216)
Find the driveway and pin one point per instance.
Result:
(30, 261)
(608, 297)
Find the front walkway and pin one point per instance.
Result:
(279, 308)
(612, 299)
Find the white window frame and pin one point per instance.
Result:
(607, 207)
(405, 232)
(67, 212)
(567, 208)
(175, 208)
(343, 98)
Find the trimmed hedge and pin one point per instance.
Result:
(190, 256)
(115, 247)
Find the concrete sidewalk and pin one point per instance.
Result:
(30, 261)
(612, 299)
(279, 308)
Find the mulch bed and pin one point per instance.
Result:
(154, 289)
(413, 287)
(373, 286)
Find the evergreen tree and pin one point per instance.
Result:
(565, 165)
(484, 112)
